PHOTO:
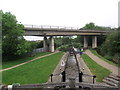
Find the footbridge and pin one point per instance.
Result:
(51, 31)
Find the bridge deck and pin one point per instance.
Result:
(32, 30)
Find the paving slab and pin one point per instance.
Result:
(58, 70)
(87, 77)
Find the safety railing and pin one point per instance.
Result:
(50, 27)
(63, 76)
(38, 50)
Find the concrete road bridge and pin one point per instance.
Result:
(51, 31)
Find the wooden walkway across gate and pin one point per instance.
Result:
(54, 85)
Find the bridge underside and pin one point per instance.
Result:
(51, 40)
(63, 32)
(60, 33)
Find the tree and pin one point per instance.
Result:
(39, 44)
(1, 42)
(111, 47)
(78, 42)
(58, 42)
(66, 40)
(13, 43)
(90, 26)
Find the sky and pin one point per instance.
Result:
(71, 13)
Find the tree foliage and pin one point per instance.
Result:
(0, 33)
(92, 26)
(13, 43)
(39, 44)
(111, 47)
(65, 43)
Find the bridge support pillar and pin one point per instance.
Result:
(51, 47)
(85, 42)
(45, 44)
(94, 42)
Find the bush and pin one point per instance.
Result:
(13, 43)
(116, 58)
(64, 48)
(108, 57)
(111, 47)
(77, 45)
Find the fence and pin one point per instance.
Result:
(38, 50)
(49, 27)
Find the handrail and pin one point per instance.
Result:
(49, 27)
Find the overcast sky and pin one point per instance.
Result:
(73, 13)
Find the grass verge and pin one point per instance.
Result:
(37, 71)
(95, 68)
(108, 61)
(7, 64)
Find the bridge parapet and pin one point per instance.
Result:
(61, 28)
(44, 30)
(50, 27)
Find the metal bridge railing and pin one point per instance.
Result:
(50, 27)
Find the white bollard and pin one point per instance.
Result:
(62, 63)
(10, 87)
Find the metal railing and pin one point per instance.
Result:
(38, 50)
(50, 27)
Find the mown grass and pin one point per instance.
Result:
(95, 68)
(9, 63)
(37, 71)
(108, 61)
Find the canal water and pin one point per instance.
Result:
(72, 69)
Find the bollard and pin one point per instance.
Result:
(51, 77)
(10, 87)
(2, 87)
(80, 77)
(94, 79)
(63, 76)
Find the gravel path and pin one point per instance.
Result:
(112, 68)
(26, 62)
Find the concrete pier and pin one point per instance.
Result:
(45, 44)
(85, 42)
(94, 42)
(51, 47)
